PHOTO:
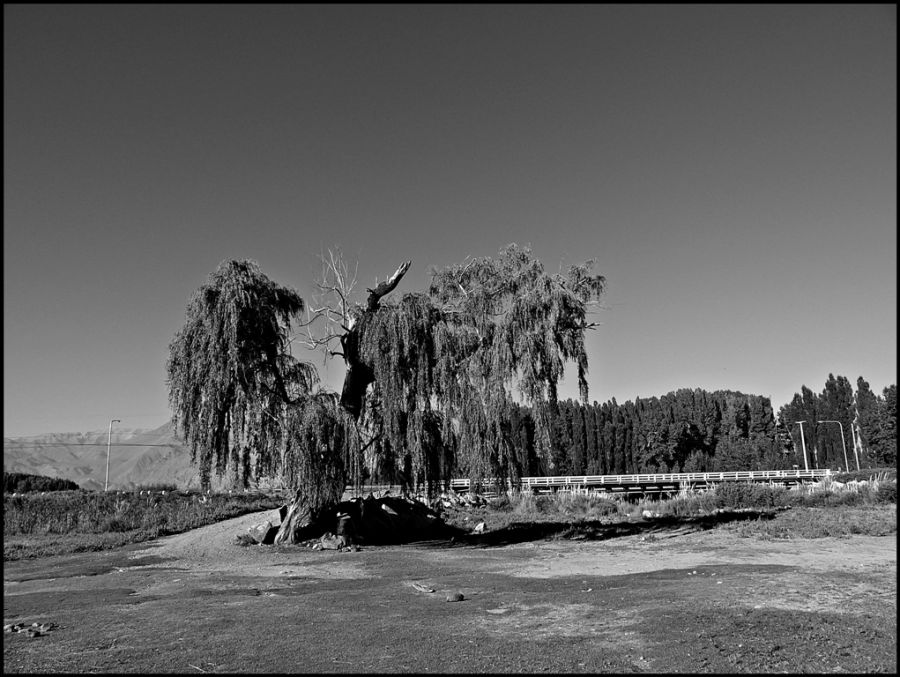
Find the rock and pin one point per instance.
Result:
(479, 528)
(262, 533)
(332, 542)
(367, 521)
(455, 597)
(33, 630)
(245, 540)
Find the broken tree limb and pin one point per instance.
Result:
(386, 287)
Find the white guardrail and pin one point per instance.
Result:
(570, 481)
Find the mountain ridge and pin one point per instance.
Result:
(137, 456)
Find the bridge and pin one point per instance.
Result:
(645, 483)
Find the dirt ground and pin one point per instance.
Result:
(706, 601)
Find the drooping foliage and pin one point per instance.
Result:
(230, 373)
(321, 450)
(485, 331)
(433, 385)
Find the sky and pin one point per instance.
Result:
(732, 170)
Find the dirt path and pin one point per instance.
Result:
(702, 602)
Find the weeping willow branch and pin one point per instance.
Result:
(229, 373)
(432, 376)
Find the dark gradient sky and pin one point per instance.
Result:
(732, 169)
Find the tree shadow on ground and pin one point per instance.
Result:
(596, 530)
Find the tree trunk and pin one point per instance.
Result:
(300, 523)
(359, 375)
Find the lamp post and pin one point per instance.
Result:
(108, 441)
(843, 443)
(803, 440)
(857, 442)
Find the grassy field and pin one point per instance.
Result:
(55, 523)
(36, 525)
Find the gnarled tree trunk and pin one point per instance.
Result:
(303, 521)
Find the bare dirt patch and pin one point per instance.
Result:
(697, 602)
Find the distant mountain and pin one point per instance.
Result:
(137, 457)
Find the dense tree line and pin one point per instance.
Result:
(700, 431)
(868, 423)
(14, 482)
(683, 431)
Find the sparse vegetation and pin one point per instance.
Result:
(37, 525)
(866, 474)
(835, 522)
(812, 511)
(53, 524)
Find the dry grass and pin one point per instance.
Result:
(816, 511)
(80, 521)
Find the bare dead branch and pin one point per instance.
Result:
(386, 287)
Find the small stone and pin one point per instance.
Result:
(455, 597)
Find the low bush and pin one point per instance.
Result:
(866, 474)
(742, 495)
(887, 492)
(155, 487)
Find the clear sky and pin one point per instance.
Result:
(732, 169)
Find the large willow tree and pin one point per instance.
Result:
(432, 377)
(231, 375)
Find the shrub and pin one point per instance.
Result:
(867, 474)
(681, 506)
(887, 492)
(586, 506)
(155, 487)
(743, 495)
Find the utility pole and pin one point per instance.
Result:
(857, 442)
(108, 441)
(843, 444)
(803, 440)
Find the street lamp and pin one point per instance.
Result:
(857, 441)
(843, 444)
(108, 440)
(803, 440)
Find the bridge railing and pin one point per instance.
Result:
(644, 478)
